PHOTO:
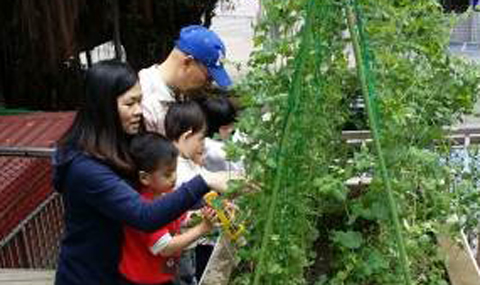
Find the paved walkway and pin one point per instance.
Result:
(26, 277)
(234, 23)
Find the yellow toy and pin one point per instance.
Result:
(226, 215)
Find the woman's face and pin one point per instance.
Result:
(130, 110)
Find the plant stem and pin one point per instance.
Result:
(294, 94)
(368, 94)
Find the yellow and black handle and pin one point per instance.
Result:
(225, 215)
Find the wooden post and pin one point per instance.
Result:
(460, 263)
(477, 258)
(116, 29)
(88, 55)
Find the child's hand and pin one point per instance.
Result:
(193, 218)
(209, 218)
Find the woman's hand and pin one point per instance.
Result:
(218, 181)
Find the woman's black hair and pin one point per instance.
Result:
(182, 117)
(97, 129)
(151, 150)
(219, 111)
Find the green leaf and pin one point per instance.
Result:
(349, 239)
(380, 211)
(376, 261)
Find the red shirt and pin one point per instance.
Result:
(138, 263)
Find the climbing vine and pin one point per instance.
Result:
(306, 226)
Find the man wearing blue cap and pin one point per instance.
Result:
(195, 61)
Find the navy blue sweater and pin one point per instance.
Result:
(97, 204)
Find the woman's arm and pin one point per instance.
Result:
(102, 189)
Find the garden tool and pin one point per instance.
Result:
(226, 216)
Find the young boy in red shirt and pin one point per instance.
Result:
(152, 258)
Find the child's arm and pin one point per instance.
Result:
(181, 241)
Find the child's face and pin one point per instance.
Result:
(161, 180)
(226, 131)
(191, 145)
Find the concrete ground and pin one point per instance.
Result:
(234, 23)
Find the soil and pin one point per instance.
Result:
(324, 252)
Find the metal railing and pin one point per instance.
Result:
(34, 243)
(462, 136)
(32, 213)
(33, 152)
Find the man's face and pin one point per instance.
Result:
(195, 74)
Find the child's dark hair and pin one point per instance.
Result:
(151, 150)
(219, 111)
(182, 117)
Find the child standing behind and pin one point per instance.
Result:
(221, 115)
(153, 258)
(185, 126)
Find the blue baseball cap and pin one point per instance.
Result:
(206, 47)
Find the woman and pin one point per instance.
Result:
(92, 166)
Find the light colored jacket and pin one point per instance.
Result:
(157, 98)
